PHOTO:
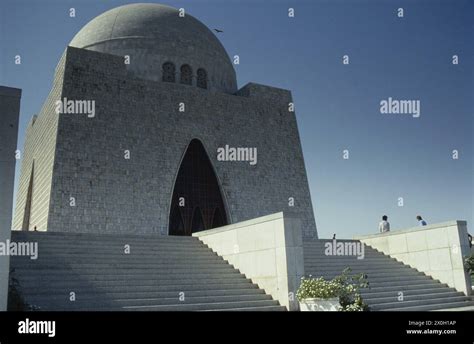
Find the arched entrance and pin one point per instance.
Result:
(197, 203)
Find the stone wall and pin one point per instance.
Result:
(438, 250)
(114, 194)
(39, 148)
(9, 114)
(268, 250)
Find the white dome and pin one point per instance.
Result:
(152, 34)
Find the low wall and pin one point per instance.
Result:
(268, 250)
(438, 250)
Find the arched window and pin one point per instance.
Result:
(197, 182)
(169, 71)
(186, 75)
(201, 78)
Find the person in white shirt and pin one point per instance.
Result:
(421, 222)
(384, 225)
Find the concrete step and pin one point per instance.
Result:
(369, 273)
(203, 306)
(323, 241)
(101, 240)
(77, 237)
(370, 299)
(407, 290)
(386, 277)
(48, 242)
(318, 249)
(193, 300)
(120, 252)
(322, 255)
(100, 267)
(199, 292)
(93, 246)
(323, 245)
(433, 307)
(91, 250)
(151, 277)
(60, 277)
(250, 309)
(145, 287)
(106, 238)
(212, 259)
(57, 276)
(109, 302)
(345, 260)
(133, 261)
(378, 285)
(331, 265)
(369, 270)
(233, 307)
(400, 279)
(151, 256)
(74, 238)
(361, 269)
(124, 278)
(416, 303)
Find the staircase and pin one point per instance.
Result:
(387, 278)
(161, 273)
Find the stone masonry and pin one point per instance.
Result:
(10, 105)
(82, 181)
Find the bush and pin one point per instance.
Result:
(349, 297)
(346, 287)
(317, 288)
(469, 264)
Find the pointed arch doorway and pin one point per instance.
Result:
(197, 203)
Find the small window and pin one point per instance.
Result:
(201, 78)
(169, 71)
(186, 75)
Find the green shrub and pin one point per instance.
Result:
(345, 287)
(317, 288)
(469, 264)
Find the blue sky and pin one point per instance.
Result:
(337, 105)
